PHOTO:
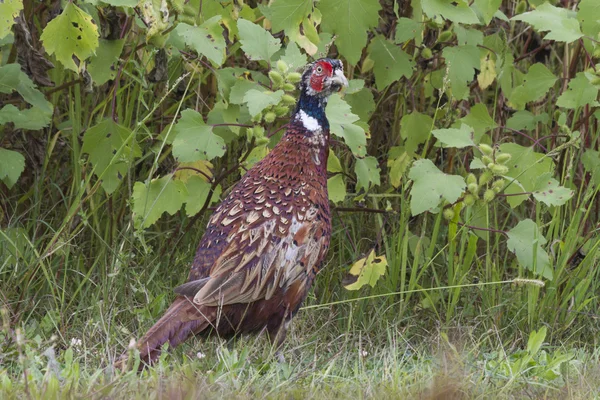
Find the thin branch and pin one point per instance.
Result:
(195, 170)
(482, 229)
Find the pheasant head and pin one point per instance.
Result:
(319, 80)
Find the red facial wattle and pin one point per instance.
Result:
(321, 71)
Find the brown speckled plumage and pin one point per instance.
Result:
(267, 240)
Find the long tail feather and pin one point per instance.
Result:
(179, 322)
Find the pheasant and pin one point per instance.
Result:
(268, 238)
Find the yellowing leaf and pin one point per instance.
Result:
(488, 71)
(9, 9)
(336, 188)
(368, 270)
(185, 171)
(71, 34)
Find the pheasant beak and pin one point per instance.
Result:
(338, 80)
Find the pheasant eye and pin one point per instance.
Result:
(319, 69)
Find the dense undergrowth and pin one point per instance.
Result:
(465, 151)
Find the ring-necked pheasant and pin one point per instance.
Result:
(267, 240)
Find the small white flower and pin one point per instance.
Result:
(200, 355)
(76, 342)
(364, 353)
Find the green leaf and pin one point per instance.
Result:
(549, 191)
(456, 11)
(13, 79)
(391, 63)
(526, 166)
(293, 57)
(415, 129)
(468, 37)
(30, 118)
(102, 65)
(240, 88)
(461, 62)
(12, 165)
(367, 172)
(258, 100)
(71, 34)
(591, 163)
(151, 200)
(362, 103)
(487, 9)
(457, 138)
(257, 43)
(368, 270)
(559, 22)
(197, 192)
(535, 341)
(580, 93)
(333, 163)
(398, 162)
(407, 29)
(341, 123)
(206, 39)
(536, 84)
(336, 187)
(431, 186)
(9, 10)
(288, 14)
(588, 16)
(121, 3)
(195, 140)
(525, 120)
(526, 241)
(111, 149)
(350, 20)
(479, 119)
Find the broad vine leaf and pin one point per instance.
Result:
(487, 8)
(293, 57)
(368, 270)
(288, 14)
(549, 191)
(525, 166)
(258, 100)
(361, 103)
(580, 93)
(560, 23)
(589, 15)
(111, 148)
(536, 84)
(461, 62)
(9, 10)
(526, 241)
(206, 39)
(415, 129)
(195, 140)
(453, 137)
(29, 118)
(333, 163)
(122, 3)
(184, 171)
(431, 186)
(197, 192)
(350, 20)
(151, 200)
(525, 120)
(71, 34)
(455, 11)
(480, 120)
(336, 187)
(391, 63)
(407, 29)
(257, 43)
(367, 172)
(341, 123)
(102, 65)
(591, 163)
(13, 79)
(12, 164)
(240, 88)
